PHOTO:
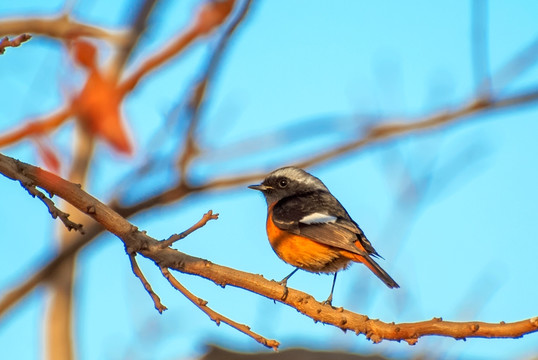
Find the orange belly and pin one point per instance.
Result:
(303, 252)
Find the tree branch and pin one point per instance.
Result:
(53, 210)
(137, 241)
(36, 127)
(138, 27)
(30, 186)
(198, 91)
(172, 239)
(211, 15)
(378, 133)
(5, 42)
(215, 316)
(138, 273)
(61, 27)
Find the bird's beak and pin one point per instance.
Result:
(260, 187)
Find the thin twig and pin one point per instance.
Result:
(138, 27)
(520, 63)
(199, 90)
(5, 42)
(136, 270)
(211, 15)
(61, 27)
(36, 127)
(215, 316)
(480, 53)
(53, 210)
(172, 239)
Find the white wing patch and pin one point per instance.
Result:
(318, 218)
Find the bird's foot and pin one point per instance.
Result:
(329, 301)
(284, 283)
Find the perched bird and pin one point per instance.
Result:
(308, 228)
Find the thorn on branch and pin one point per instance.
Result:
(172, 239)
(5, 42)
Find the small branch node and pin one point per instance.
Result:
(376, 339)
(202, 302)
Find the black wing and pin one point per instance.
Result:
(337, 229)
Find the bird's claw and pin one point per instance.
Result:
(284, 283)
(329, 301)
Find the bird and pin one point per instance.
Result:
(309, 228)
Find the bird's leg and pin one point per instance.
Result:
(284, 282)
(330, 298)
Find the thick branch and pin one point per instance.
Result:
(135, 240)
(179, 191)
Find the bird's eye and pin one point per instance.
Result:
(283, 183)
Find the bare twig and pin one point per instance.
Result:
(36, 127)
(61, 27)
(53, 210)
(172, 239)
(134, 240)
(137, 29)
(215, 316)
(211, 15)
(5, 42)
(199, 90)
(480, 55)
(522, 62)
(27, 184)
(136, 270)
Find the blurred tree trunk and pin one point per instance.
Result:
(59, 317)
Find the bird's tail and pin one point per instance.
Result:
(374, 267)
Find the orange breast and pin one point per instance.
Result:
(303, 252)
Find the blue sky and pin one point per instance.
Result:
(467, 251)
